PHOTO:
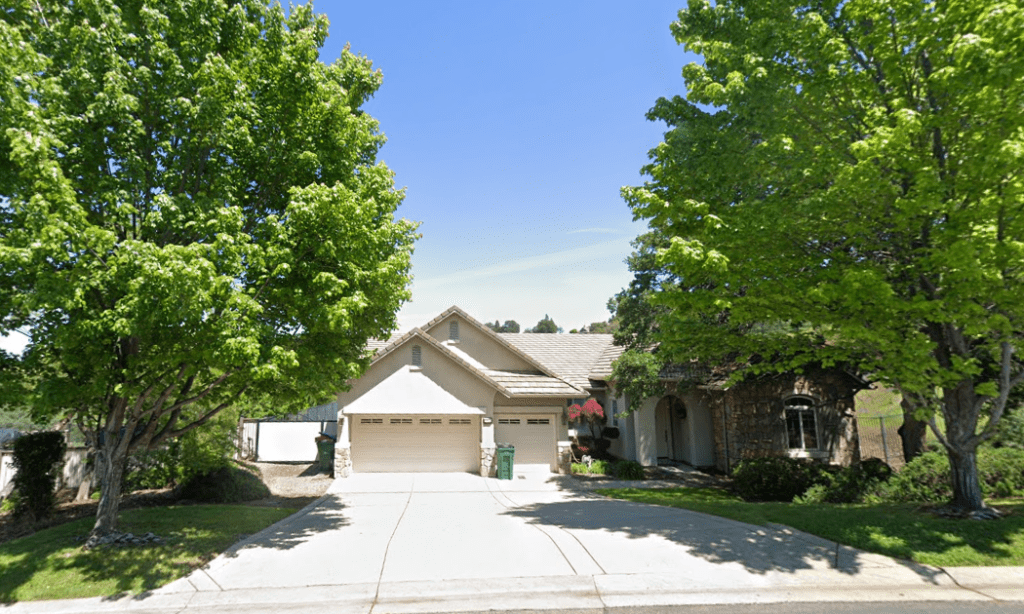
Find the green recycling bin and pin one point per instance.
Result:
(506, 457)
(325, 453)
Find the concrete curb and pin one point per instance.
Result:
(537, 593)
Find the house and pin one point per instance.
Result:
(441, 397)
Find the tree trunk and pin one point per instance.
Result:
(961, 415)
(963, 468)
(912, 433)
(110, 466)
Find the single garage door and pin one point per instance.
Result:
(533, 437)
(415, 443)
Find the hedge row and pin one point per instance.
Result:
(925, 479)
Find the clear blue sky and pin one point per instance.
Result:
(512, 126)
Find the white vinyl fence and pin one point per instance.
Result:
(71, 477)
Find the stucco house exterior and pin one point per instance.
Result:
(442, 396)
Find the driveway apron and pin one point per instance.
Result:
(375, 531)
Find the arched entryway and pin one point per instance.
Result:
(682, 431)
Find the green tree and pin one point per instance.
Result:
(605, 328)
(191, 214)
(510, 326)
(850, 172)
(546, 325)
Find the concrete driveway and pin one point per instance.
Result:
(409, 542)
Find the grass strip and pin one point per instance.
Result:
(52, 565)
(904, 531)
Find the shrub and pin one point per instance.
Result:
(600, 467)
(39, 458)
(155, 469)
(775, 478)
(580, 468)
(927, 478)
(629, 470)
(198, 452)
(1011, 430)
(8, 504)
(230, 484)
(848, 484)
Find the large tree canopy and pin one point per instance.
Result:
(190, 213)
(844, 182)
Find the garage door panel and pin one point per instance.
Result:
(415, 444)
(533, 437)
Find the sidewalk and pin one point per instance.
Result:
(536, 543)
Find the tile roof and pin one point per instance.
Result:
(570, 357)
(532, 384)
(602, 369)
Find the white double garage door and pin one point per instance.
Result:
(421, 443)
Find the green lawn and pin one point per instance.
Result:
(52, 565)
(902, 531)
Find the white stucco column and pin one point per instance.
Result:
(645, 430)
(487, 447)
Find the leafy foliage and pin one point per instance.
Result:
(1011, 430)
(604, 328)
(635, 374)
(197, 452)
(230, 484)
(545, 325)
(927, 478)
(510, 326)
(39, 459)
(830, 178)
(775, 478)
(628, 470)
(191, 211)
(847, 484)
(591, 414)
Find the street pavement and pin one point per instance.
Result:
(460, 543)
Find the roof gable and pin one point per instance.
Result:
(409, 392)
(418, 334)
(484, 345)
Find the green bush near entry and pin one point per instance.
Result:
(927, 478)
(628, 470)
(776, 478)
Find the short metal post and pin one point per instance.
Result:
(885, 441)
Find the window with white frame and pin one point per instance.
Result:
(801, 423)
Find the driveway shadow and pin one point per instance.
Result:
(759, 550)
(325, 514)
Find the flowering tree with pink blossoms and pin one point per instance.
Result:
(591, 413)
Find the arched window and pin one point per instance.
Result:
(801, 423)
(417, 356)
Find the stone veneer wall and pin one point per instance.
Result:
(342, 462)
(564, 457)
(748, 420)
(487, 468)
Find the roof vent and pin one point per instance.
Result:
(417, 356)
(453, 331)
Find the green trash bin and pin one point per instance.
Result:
(325, 453)
(506, 460)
